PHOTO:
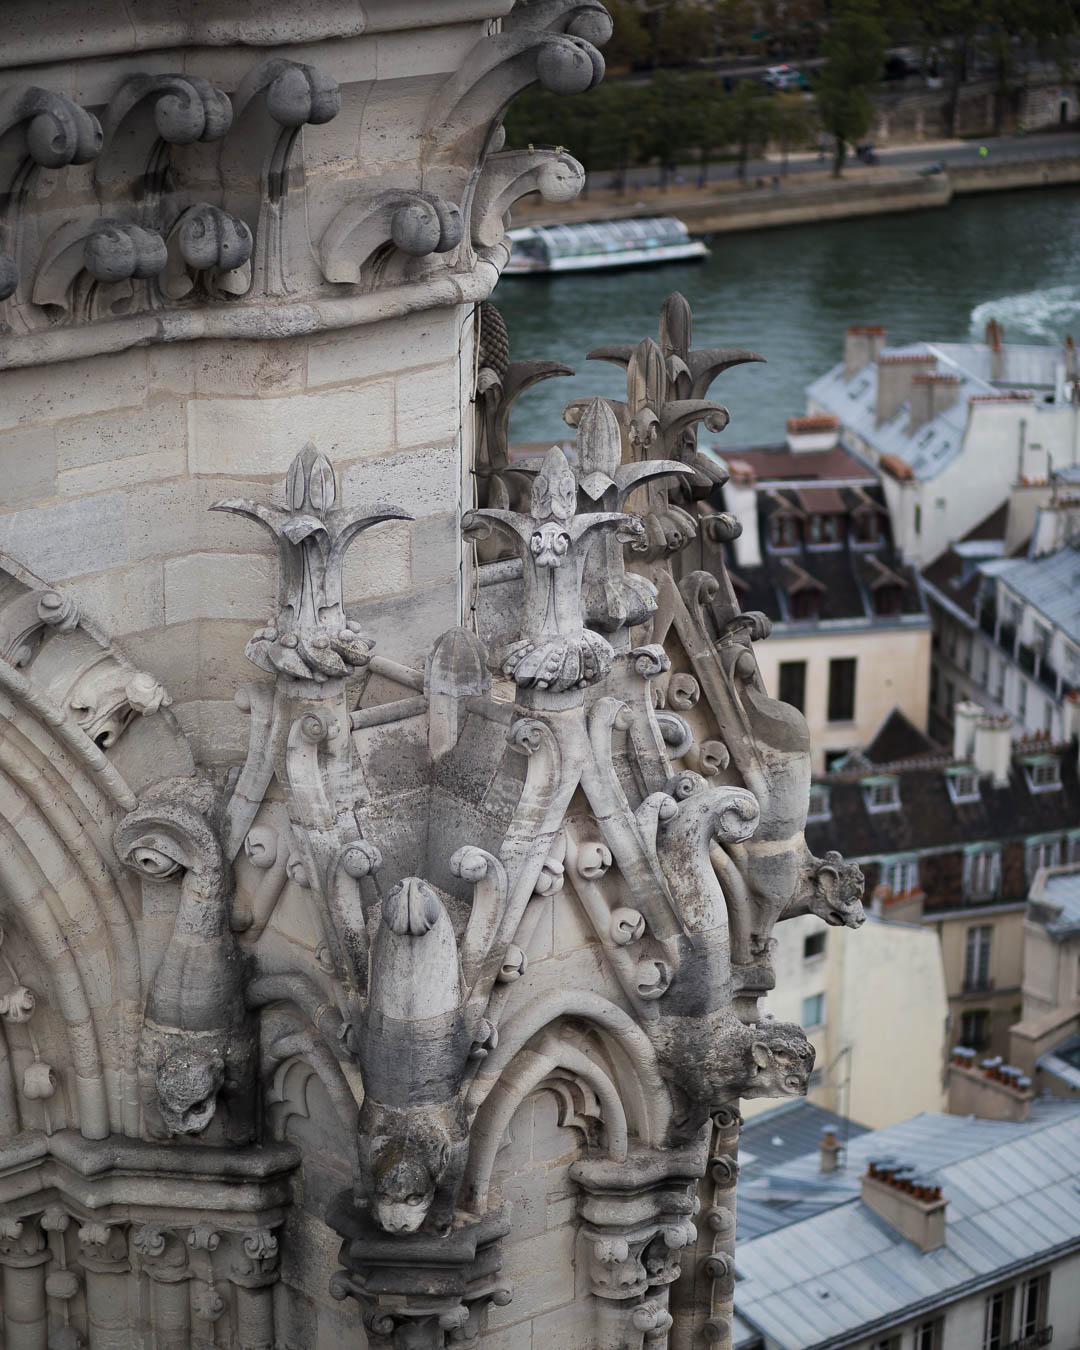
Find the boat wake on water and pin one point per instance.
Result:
(1046, 315)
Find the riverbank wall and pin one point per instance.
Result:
(726, 210)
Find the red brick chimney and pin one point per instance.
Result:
(863, 343)
(995, 336)
(991, 1090)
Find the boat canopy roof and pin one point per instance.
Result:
(604, 236)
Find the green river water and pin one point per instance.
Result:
(789, 293)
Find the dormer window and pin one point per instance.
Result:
(825, 530)
(982, 872)
(963, 785)
(888, 600)
(784, 531)
(1043, 773)
(820, 807)
(881, 793)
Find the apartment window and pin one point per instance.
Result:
(975, 1028)
(1072, 846)
(901, 875)
(918, 519)
(999, 681)
(1040, 638)
(820, 808)
(813, 945)
(1021, 698)
(963, 785)
(813, 1011)
(1043, 773)
(842, 689)
(982, 872)
(1042, 852)
(881, 794)
(1034, 1301)
(997, 1319)
(928, 1334)
(793, 684)
(950, 698)
(977, 957)
(866, 527)
(888, 1343)
(1072, 666)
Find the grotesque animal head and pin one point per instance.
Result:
(188, 1081)
(838, 892)
(404, 1190)
(782, 1060)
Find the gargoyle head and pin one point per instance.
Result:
(838, 892)
(782, 1061)
(404, 1190)
(188, 1081)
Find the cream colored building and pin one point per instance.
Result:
(875, 1064)
(892, 671)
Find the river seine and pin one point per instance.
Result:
(789, 293)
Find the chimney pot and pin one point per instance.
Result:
(830, 1151)
(993, 747)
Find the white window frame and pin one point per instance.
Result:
(977, 967)
(963, 785)
(872, 786)
(820, 807)
(983, 859)
(901, 874)
(1036, 763)
(1043, 851)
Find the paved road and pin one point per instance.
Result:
(1045, 145)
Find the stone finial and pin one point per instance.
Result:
(312, 638)
(556, 651)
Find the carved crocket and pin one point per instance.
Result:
(198, 1042)
(414, 1045)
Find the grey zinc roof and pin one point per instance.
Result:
(1050, 583)
(1062, 891)
(939, 441)
(827, 1279)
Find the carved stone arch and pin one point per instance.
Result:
(67, 703)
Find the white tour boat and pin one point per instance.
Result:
(601, 243)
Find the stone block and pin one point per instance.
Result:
(70, 539)
(428, 406)
(260, 436)
(378, 563)
(152, 429)
(422, 482)
(570, 1327)
(193, 658)
(403, 627)
(216, 729)
(175, 518)
(128, 600)
(541, 1269)
(28, 465)
(218, 586)
(374, 349)
(436, 549)
(250, 369)
(72, 389)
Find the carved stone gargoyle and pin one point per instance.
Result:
(197, 1046)
(413, 1049)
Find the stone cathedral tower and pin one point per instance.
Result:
(390, 836)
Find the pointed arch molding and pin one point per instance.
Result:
(82, 734)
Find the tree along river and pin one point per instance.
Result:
(789, 293)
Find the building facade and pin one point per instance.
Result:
(850, 639)
(954, 842)
(952, 427)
